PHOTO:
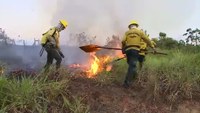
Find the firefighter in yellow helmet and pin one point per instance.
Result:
(51, 43)
(131, 44)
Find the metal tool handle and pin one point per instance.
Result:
(103, 47)
(41, 51)
(157, 53)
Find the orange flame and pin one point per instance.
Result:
(75, 66)
(98, 64)
(119, 53)
(94, 66)
(109, 68)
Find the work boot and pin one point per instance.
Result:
(126, 85)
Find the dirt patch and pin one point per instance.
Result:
(189, 107)
(113, 98)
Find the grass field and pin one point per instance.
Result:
(170, 79)
(176, 75)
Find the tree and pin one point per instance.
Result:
(192, 36)
(197, 36)
(166, 42)
(181, 42)
(162, 35)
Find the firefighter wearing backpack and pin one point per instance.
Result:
(51, 43)
(131, 44)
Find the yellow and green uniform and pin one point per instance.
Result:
(143, 52)
(132, 39)
(131, 45)
(143, 48)
(50, 41)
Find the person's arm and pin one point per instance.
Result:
(57, 39)
(154, 44)
(146, 39)
(61, 54)
(123, 43)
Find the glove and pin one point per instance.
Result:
(61, 54)
(123, 51)
(42, 45)
(123, 48)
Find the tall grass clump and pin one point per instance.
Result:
(40, 94)
(171, 77)
(175, 76)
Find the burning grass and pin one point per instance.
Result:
(96, 65)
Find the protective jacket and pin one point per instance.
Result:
(133, 38)
(51, 38)
(143, 48)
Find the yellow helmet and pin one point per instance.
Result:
(133, 22)
(64, 23)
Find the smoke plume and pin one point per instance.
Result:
(103, 18)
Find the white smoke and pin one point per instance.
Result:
(104, 18)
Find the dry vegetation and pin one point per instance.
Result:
(162, 85)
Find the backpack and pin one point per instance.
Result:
(44, 38)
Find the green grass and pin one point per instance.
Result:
(40, 94)
(170, 77)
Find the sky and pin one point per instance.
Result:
(29, 19)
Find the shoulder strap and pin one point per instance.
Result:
(54, 32)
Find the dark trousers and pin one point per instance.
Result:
(132, 58)
(141, 60)
(53, 53)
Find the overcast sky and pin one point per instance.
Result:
(31, 18)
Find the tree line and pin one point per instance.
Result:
(192, 39)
